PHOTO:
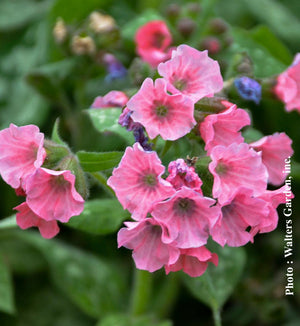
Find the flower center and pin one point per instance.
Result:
(150, 180)
(184, 206)
(180, 84)
(161, 110)
(221, 169)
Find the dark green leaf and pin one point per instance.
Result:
(265, 63)
(124, 320)
(94, 285)
(277, 16)
(17, 13)
(93, 162)
(251, 135)
(6, 289)
(98, 217)
(215, 286)
(107, 120)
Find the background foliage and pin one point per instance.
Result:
(81, 278)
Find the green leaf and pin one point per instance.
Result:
(265, 63)
(55, 134)
(128, 31)
(98, 217)
(251, 135)
(17, 13)
(125, 320)
(94, 285)
(93, 162)
(216, 285)
(107, 120)
(72, 11)
(8, 222)
(282, 21)
(6, 289)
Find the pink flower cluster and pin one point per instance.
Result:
(288, 86)
(50, 195)
(165, 106)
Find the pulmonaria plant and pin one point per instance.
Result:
(50, 195)
(173, 219)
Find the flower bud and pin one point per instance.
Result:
(218, 26)
(248, 89)
(186, 26)
(60, 31)
(82, 45)
(173, 10)
(212, 44)
(101, 23)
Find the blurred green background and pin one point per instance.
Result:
(81, 277)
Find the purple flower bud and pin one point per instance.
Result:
(248, 89)
(114, 67)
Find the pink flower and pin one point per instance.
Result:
(239, 212)
(234, 166)
(26, 219)
(21, 153)
(137, 181)
(275, 150)
(192, 73)
(273, 198)
(52, 195)
(193, 261)
(149, 252)
(223, 128)
(188, 217)
(171, 116)
(288, 86)
(111, 99)
(153, 40)
(183, 175)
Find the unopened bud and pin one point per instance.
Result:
(218, 26)
(194, 7)
(186, 26)
(82, 45)
(60, 31)
(173, 10)
(101, 23)
(212, 44)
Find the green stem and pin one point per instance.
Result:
(217, 317)
(141, 292)
(102, 180)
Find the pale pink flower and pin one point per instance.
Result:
(152, 42)
(171, 116)
(188, 217)
(193, 261)
(224, 128)
(137, 181)
(183, 175)
(273, 198)
(192, 73)
(149, 252)
(239, 212)
(288, 86)
(26, 218)
(274, 150)
(21, 153)
(111, 99)
(52, 195)
(234, 166)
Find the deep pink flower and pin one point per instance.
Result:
(192, 73)
(171, 116)
(183, 175)
(188, 217)
(21, 153)
(234, 166)
(52, 195)
(275, 149)
(111, 99)
(27, 219)
(224, 128)
(193, 261)
(153, 40)
(273, 198)
(137, 181)
(288, 86)
(149, 252)
(239, 212)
